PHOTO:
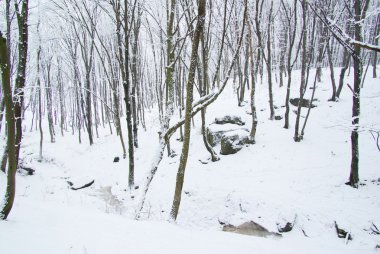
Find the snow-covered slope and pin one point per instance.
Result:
(273, 181)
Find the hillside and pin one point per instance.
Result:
(271, 182)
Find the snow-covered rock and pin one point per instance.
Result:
(216, 131)
(233, 141)
(229, 119)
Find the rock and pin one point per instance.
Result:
(229, 119)
(116, 159)
(233, 141)
(286, 224)
(285, 228)
(305, 103)
(250, 228)
(214, 137)
(216, 131)
(342, 233)
(277, 118)
(229, 146)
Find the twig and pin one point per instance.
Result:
(376, 139)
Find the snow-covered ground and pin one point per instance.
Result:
(273, 181)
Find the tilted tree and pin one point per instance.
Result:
(7, 204)
(189, 100)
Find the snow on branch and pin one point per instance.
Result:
(365, 45)
(342, 37)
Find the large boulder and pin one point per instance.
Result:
(229, 119)
(216, 131)
(233, 141)
(304, 103)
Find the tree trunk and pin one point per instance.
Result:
(203, 89)
(49, 102)
(61, 98)
(253, 87)
(358, 71)
(169, 77)
(329, 54)
(189, 101)
(346, 61)
(11, 142)
(39, 93)
(88, 104)
(298, 137)
(375, 42)
(283, 46)
(323, 39)
(8, 25)
(22, 20)
(312, 96)
(292, 36)
(269, 64)
(127, 99)
(135, 76)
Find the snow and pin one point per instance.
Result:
(273, 181)
(226, 127)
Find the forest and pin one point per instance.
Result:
(158, 126)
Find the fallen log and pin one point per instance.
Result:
(84, 186)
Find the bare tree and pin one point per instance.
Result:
(22, 13)
(253, 86)
(297, 136)
(268, 61)
(6, 207)
(290, 14)
(354, 46)
(189, 100)
(39, 87)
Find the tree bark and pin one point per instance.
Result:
(290, 64)
(39, 93)
(329, 54)
(297, 136)
(11, 141)
(49, 101)
(22, 20)
(375, 42)
(346, 61)
(203, 88)
(358, 72)
(127, 99)
(189, 101)
(268, 61)
(253, 87)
